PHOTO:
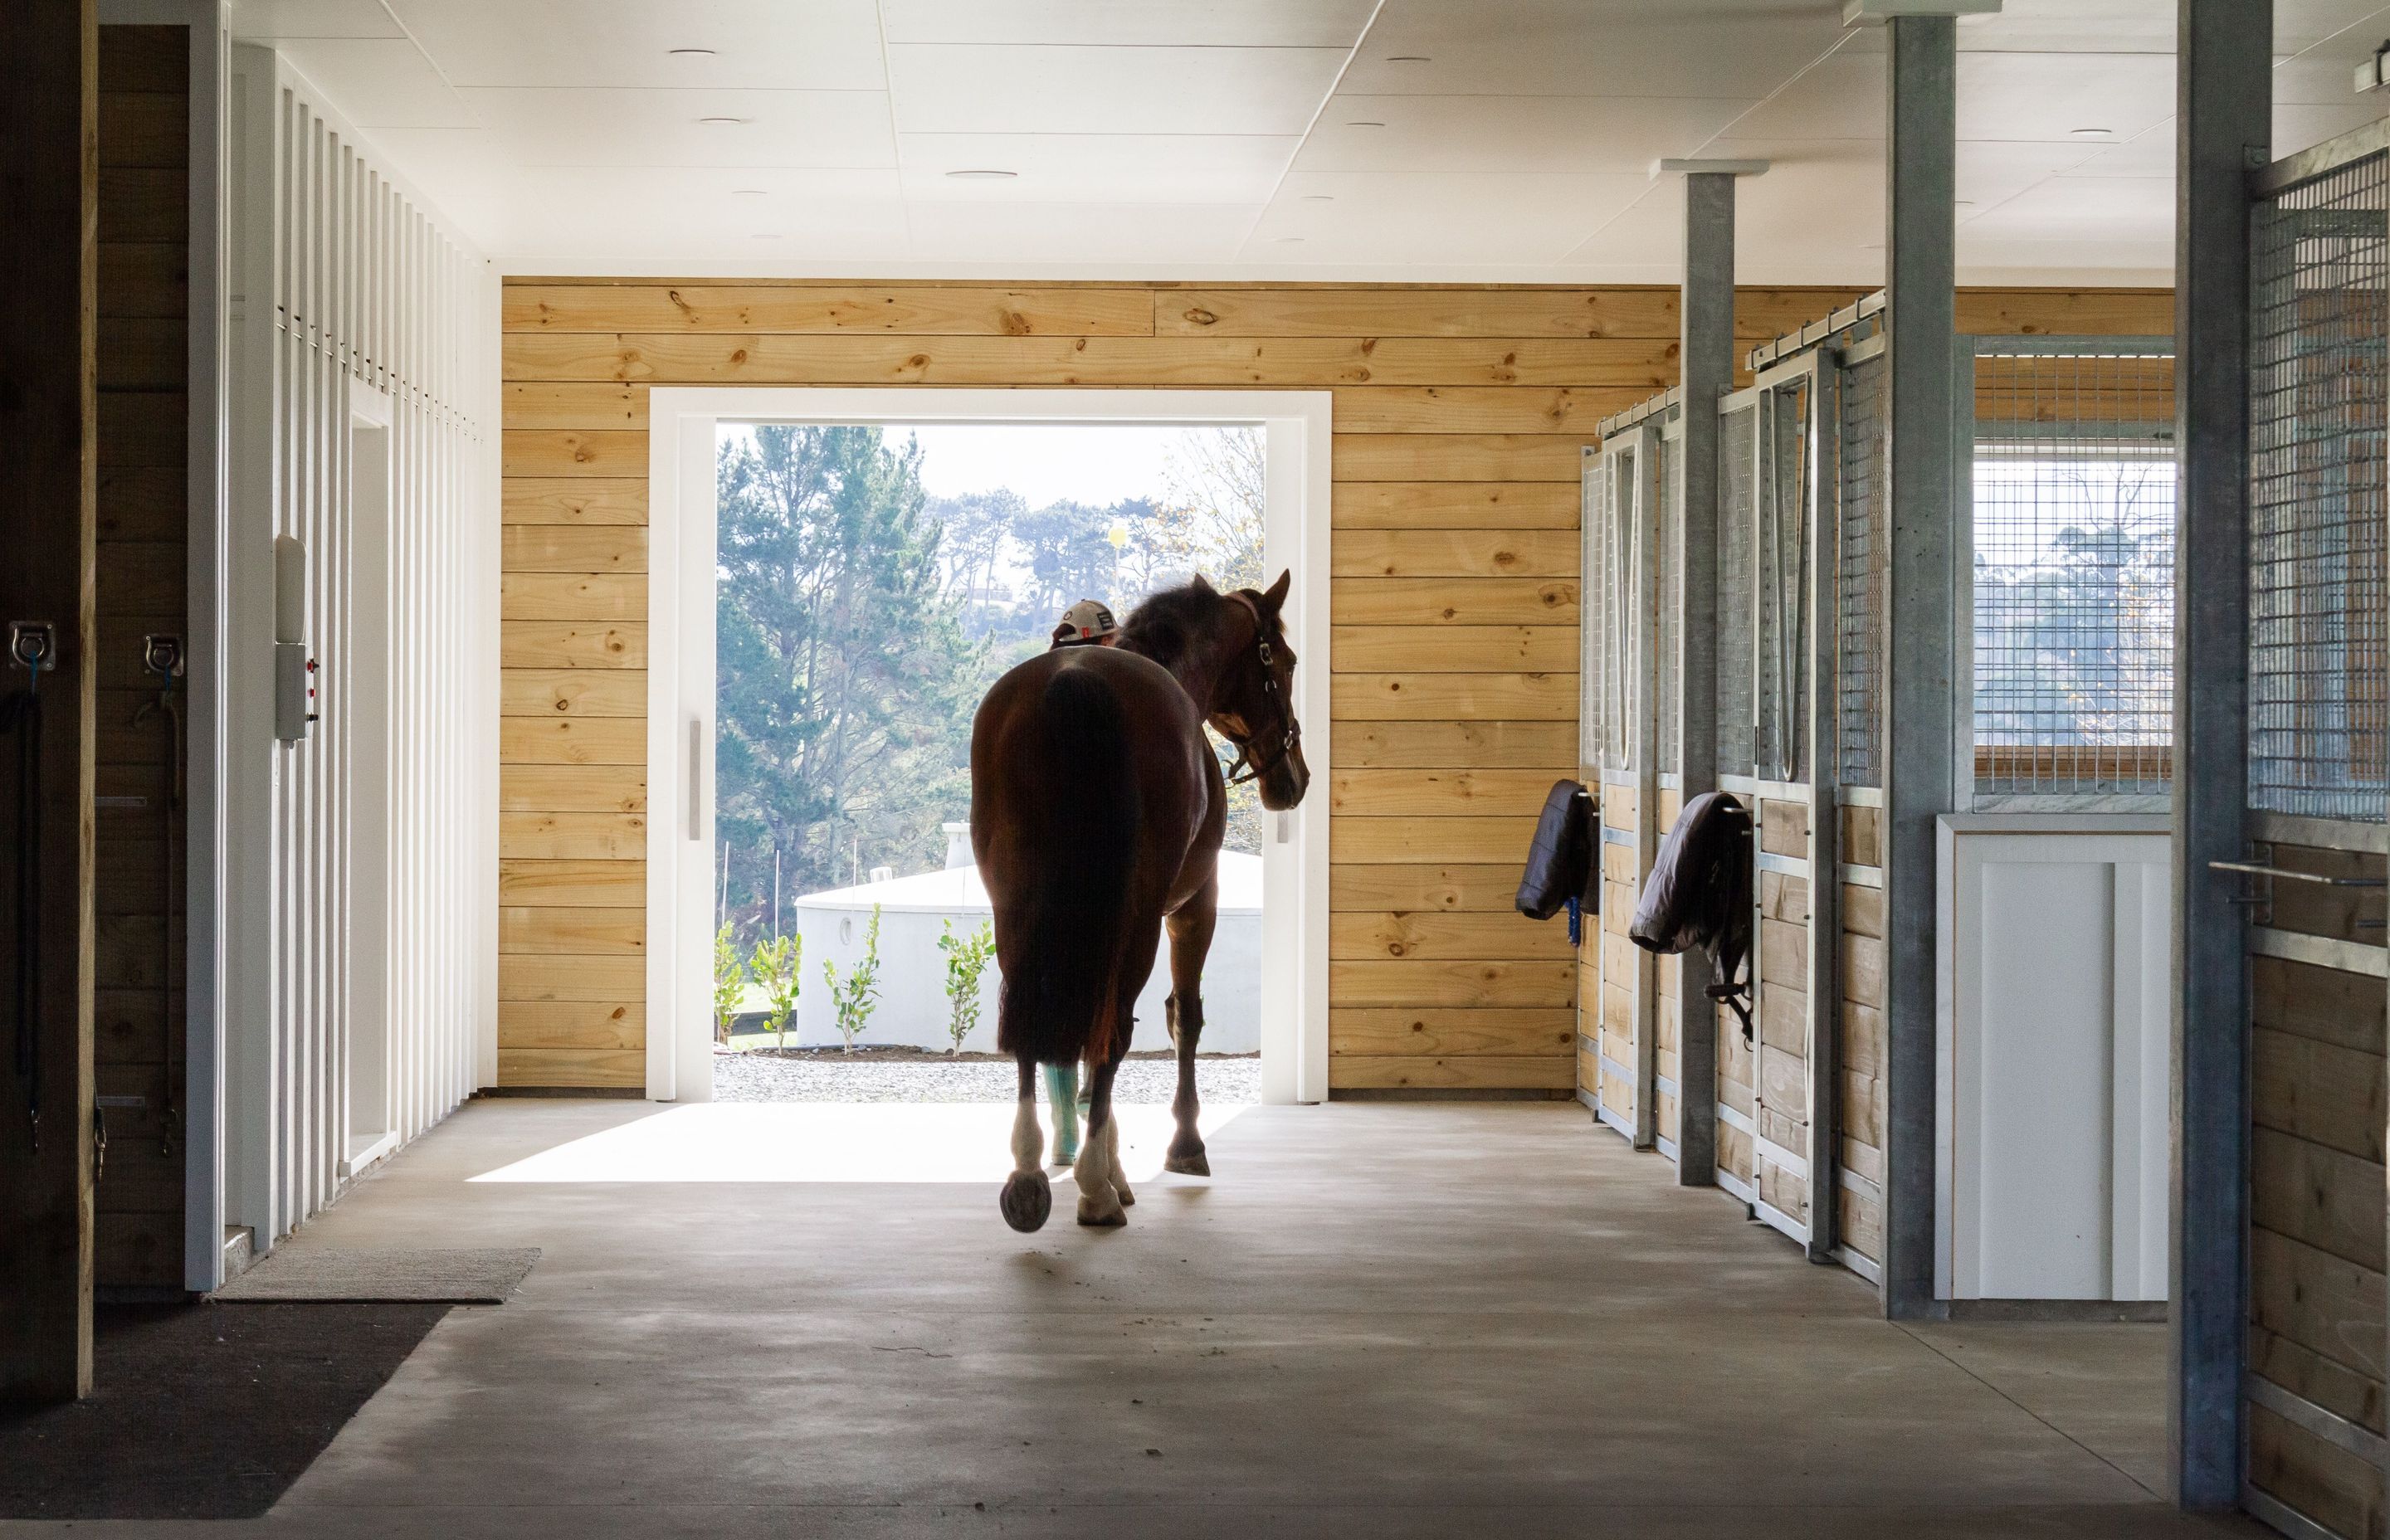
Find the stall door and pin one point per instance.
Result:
(1617, 1042)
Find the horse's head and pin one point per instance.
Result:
(1252, 705)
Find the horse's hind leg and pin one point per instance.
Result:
(1101, 1197)
(1062, 1095)
(1111, 1136)
(1027, 1197)
(1190, 942)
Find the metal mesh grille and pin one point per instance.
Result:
(2073, 498)
(1671, 604)
(1619, 555)
(1593, 508)
(1864, 556)
(1736, 535)
(1783, 573)
(2318, 608)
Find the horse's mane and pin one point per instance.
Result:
(1166, 623)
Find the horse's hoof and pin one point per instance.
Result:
(1197, 1164)
(1062, 1158)
(1126, 1197)
(1104, 1215)
(1026, 1201)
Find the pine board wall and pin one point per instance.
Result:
(1460, 414)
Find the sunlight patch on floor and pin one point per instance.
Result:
(727, 1141)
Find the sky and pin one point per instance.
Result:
(1044, 462)
(1097, 464)
(2023, 502)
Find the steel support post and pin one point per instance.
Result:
(1920, 150)
(2223, 103)
(1705, 351)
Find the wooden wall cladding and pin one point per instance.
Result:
(2317, 1261)
(1460, 415)
(143, 515)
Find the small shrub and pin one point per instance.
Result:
(729, 982)
(857, 996)
(967, 958)
(776, 965)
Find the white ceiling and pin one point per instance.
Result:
(1497, 139)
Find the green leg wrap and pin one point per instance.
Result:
(1062, 1090)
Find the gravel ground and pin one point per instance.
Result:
(1220, 1080)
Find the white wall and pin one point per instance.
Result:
(912, 1001)
(351, 298)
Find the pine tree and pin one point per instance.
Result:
(846, 684)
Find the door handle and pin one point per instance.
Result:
(696, 778)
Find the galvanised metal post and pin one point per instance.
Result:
(1705, 351)
(1920, 150)
(2223, 129)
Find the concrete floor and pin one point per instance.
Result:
(1385, 1320)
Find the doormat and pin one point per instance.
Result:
(203, 1410)
(482, 1276)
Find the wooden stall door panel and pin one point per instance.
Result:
(1780, 1060)
(141, 572)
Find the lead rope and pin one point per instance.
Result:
(21, 715)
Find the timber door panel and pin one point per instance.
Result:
(2317, 760)
(1619, 1035)
(1784, 563)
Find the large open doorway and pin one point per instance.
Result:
(712, 896)
(871, 585)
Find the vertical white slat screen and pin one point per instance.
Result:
(352, 301)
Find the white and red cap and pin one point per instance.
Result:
(1089, 621)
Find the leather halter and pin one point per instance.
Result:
(1246, 767)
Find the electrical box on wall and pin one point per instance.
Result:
(294, 669)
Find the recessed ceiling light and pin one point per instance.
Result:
(1365, 122)
(1407, 59)
(982, 175)
(690, 53)
(746, 192)
(2092, 133)
(720, 122)
(1318, 198)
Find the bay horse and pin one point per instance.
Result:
(1097, 808)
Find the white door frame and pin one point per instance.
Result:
(683, 423)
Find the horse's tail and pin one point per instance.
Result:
(1059, 1000)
